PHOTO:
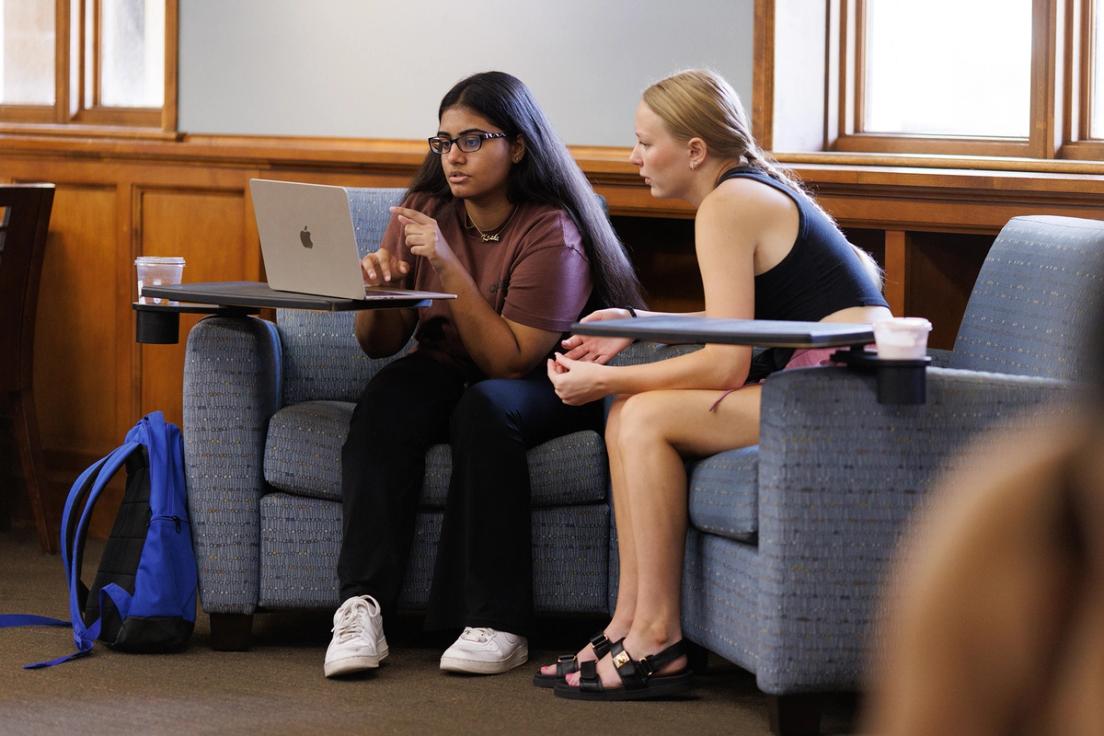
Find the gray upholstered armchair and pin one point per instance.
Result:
(790, 539)
(266, 411)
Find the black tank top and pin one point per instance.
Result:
(821, 274)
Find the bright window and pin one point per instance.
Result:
(27, 52)
(132, 53)
(948, 67)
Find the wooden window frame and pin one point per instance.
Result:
(848, 106)
(1078, 141)
(89, 117)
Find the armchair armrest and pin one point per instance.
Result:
(232, 386)
(839, 475)
(940, 358)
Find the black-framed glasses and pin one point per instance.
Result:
(468, 142)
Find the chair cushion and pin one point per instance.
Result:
(724, 494)
(303, 457)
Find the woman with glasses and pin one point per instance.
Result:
(765, 250)
(500, 215)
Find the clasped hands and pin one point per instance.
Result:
(421, 234)
(580, 375)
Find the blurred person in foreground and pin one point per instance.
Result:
(995, 621)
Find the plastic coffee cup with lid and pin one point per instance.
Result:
(158, 271)
(902, 338)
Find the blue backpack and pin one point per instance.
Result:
(143, 598)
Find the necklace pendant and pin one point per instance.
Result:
(489, 238)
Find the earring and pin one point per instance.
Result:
(693, 165)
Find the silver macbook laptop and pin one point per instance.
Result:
(309, 245)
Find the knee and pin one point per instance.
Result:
(639, 422)
(374, 415)
(482, 410)
(612, 429)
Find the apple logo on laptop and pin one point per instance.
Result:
(305, 236)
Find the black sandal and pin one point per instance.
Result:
(567, 663)
(637, 677)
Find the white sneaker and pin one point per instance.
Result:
(483, 651)
(358, 642)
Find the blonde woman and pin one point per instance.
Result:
(766, 250)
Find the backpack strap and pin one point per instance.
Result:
(72, 551)
(78, 489)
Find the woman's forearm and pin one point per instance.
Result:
(647, 313)
(384, 332)
(489, 341)
(713, 367)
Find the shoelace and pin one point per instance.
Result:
(352, 619)
(480, 634)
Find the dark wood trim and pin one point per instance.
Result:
(28, 114)
(82, 69)
(846, 81)
(81, 130)
(896, 270)
(61, 60)
(833, 61)
(1079, 55)
(141, 117)
(936, 145)
(606, 163)
(97, 64)
(1048, 42)
(172, 54)
(856, 69)
(762, 105)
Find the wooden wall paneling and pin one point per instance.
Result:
(252, 263)
(873, 242)
(126, 361)
(953, 212)
(662, 251)
(896, 271)
(205, 226)
(76, 339)
(942, 269)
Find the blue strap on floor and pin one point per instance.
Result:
(9, 620)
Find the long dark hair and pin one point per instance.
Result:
(546, 174)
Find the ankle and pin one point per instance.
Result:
(618, 628)
(652, 639)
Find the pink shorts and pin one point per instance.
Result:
(803, 358)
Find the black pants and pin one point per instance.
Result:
(483, 574)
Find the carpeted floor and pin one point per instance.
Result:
(278, 687)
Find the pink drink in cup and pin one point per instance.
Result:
(902, 338)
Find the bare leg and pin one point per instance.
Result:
(622, 512)
(619, 625)
(655, 430)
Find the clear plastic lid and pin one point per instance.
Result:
(159, 261)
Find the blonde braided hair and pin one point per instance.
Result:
(699, 103)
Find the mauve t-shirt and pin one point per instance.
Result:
(537, 275)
